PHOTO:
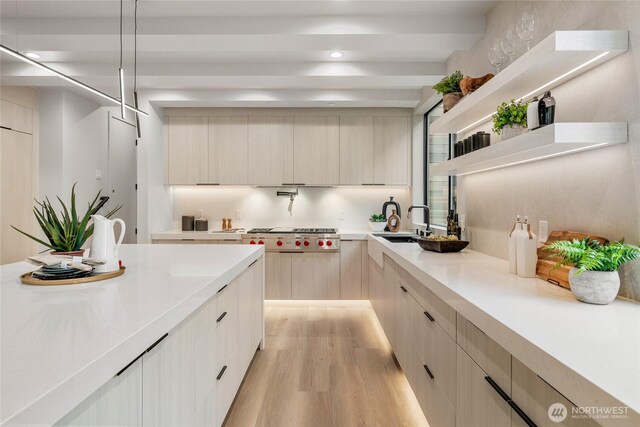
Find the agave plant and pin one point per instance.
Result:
(66, 232)
(591, 255)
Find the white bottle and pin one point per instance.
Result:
(526, 251)
(532, 114)
(513, 235)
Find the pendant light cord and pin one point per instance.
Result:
(121, 45)
(135, 46)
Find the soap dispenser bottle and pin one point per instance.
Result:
(526, 251)
(532, 114)
(513, 237)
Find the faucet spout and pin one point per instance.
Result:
(426, 209)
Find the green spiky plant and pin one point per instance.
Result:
(65, 232)
(591, 255)
(449, 84)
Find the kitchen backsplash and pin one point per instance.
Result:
(342, 207)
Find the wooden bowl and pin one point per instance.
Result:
(442, 246)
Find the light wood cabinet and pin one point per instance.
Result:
(16, 192)
(188, 150)
(117, 403)
(16, 117)
(351, 270)
(391, 142)
(376, 288)
(315, 276)
(389, 292)
(270, 150)
(534, 396)
(356, 150)
(278, 275)
(228, 149)
(316, 150)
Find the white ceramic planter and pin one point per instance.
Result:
(595, 287)
(377, 226)
(511, 131)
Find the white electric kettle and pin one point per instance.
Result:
(103, 245)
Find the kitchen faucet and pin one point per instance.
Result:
(426, 208)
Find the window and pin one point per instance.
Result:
(439, 190)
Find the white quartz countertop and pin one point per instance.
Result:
(590, 353)
(61, 343)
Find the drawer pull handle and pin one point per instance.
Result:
(426, 368)
(224, 368)
(510, 402)
(430, 317)
(222, 289)
(403, 288)
(219, 319)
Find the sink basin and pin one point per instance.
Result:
(399, 238)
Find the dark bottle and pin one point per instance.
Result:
(451, 227)
(549, 108)
(457, 228)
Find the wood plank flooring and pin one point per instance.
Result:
(324, 364)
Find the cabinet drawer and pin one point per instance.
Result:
(489, 355)
(226, 385)
(226, 321)
(434, 404)
(437, 350)
(442, 312)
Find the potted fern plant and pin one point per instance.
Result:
(594, 275)
(66, 232)
(510, 119)
(449, 87)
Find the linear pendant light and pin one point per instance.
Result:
(123, 111)
(78, 83)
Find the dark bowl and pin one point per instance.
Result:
(442, 245)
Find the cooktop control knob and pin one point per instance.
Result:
(279, 243)
(298, 242)
(306, 243)
(260, 242)
(329, 243)
(320, 243)
(253, 242)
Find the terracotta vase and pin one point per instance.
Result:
(69, 253)
(449, 100)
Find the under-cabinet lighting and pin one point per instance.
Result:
(539, 89)
(78, 83)
(32, 55)
(575, 150)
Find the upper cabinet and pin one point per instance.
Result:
(228, 142)
(279, 150)
(188, 150)
(270, 154)
(356, 150)
(16, 117)
(391, 150)
(316, 150)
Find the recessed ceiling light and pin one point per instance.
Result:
(32, 55)
(336, 54)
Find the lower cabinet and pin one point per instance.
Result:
(190, 376)
(315, 276)
(351, 269)
(278, 275)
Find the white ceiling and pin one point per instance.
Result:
(246, 53)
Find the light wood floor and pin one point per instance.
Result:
(324, 365)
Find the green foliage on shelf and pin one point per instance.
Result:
(67, 232)
(449, 84)
(591, 255)
(509, 114)
(377, 218)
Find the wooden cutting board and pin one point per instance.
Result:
(544, 268)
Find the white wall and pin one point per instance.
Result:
(313, 207)
(596, 192)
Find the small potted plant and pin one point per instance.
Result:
(593, 277)
(449, 87)
(510, 119)
(66, 232)
(377, 222)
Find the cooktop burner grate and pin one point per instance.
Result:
(293, 231)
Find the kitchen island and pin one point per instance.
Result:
(65, 346)
(534, 340)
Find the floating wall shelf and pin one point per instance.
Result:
(550, 141)
(561, 56)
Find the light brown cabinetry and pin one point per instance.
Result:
(270, 154)
(188, 150)
(315, 276)
(16, 117)
(356, 150)
(391, 142)
(351, 269)
(278, 275)
(316, 150)
(228, 150)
